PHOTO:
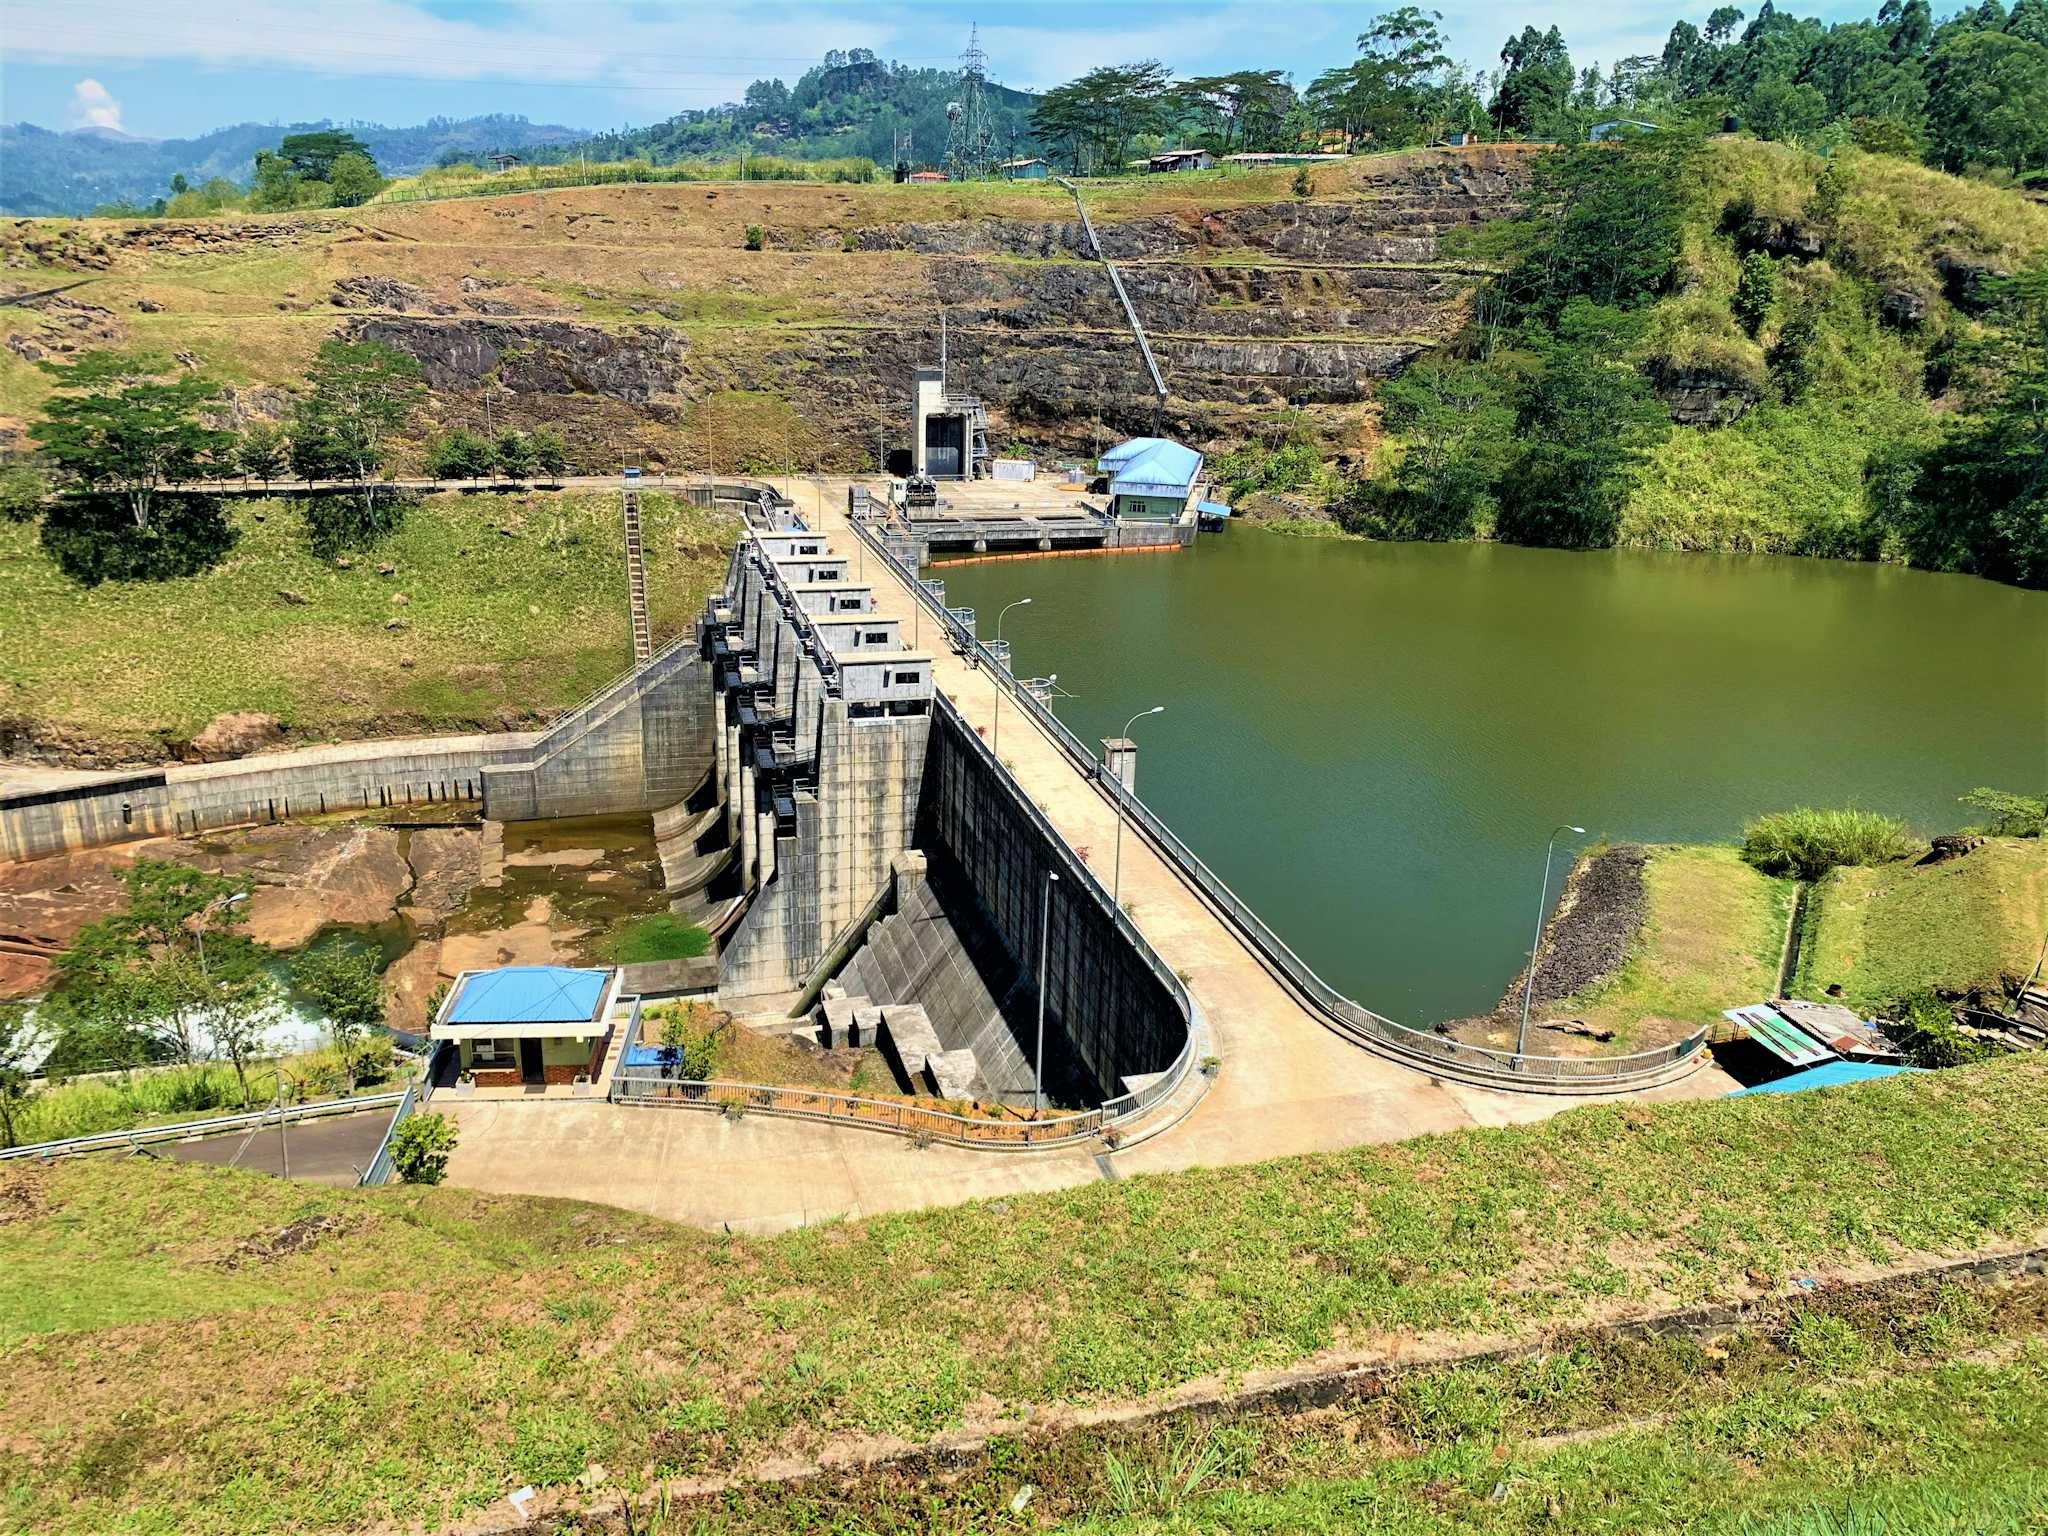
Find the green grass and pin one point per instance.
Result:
(1712, 934)
(404, 1367)
(1847, 1413)
(1963, 928)
(1806, 844)
(658, 936)
(166, 1095)
(525, 622)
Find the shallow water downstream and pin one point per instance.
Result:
(1371, 742)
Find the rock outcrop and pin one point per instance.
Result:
(235, 734)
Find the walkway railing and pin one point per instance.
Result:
(1419, 1047)
(114, 1141)
(896, 1117)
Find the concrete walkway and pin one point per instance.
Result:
(1287, 1084)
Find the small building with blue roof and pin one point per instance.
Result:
(529, 1026)
(1150, 478)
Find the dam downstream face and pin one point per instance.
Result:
(1371, 742)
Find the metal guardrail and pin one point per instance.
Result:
(1418, 1047)
(898, 1118)
(379, 1171)
(112, 1141)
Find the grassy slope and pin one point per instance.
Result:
(1848, 1412)
(442, 1347)
(1963, 927)
(1789, 477)
(1711, 938)
(529, 622)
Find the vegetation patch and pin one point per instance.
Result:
(440, 1307)
(658, 936)
(1965, 928)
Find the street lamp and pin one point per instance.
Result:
(1117, 882)
(996, 744)
(1542, 901)
(1044, 953)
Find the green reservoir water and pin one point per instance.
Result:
(1371, 742)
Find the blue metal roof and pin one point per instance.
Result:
(529, 994)
(1150, 466)
(1212, 509)
(1825, 1077)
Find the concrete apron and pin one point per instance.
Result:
(1321, 1383)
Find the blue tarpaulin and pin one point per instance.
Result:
(1825, 1077)
(529, 994)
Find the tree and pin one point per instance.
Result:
(359, 394)
(513, 454)
(458, 454)
(345, 986)
(355, 180)
(1402, 89)
(1756, 290)
(1788, 113)
(1987, 102)
(129, 431)
(312, 156)
(1980, 500)
(1455, 423)
(170, 976)
(1536, 84)
(1250, 98)
(550, 453)
(261, 451)
(1584, 422)
(420, 1147)
(17, 1038)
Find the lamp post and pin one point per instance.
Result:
(1117, 881)
(1044, 954)
(1542, 900)
(199, 935)
(996, 744)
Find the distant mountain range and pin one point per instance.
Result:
(45, 172)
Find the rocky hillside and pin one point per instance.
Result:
(639, 318)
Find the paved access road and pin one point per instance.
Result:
(330, 1150)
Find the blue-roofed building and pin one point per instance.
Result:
(530, 1026)
(1150, 478)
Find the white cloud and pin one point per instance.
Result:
(93, 106)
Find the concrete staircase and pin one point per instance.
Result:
(915, 956)
(636, 583)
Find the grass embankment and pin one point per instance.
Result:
(1964, 928)
(512, 603)
(436, 1348)
(1922, 1406)
(1713, 932)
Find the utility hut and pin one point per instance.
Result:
(949, 432)
(1151, 479)
(532, 1027)
(1181, 160)
(1023, 170)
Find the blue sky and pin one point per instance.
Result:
(166, 70)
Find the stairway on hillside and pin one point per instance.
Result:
(636, 583)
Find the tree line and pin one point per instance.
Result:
(330, 168)
(1968, 94)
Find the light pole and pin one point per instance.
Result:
(1542, 900)
(996, 745)
(1044, 953)
(1116, 887)
(199, 934)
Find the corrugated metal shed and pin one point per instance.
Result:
(1775, 1035)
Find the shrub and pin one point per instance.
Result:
(420, 1148)
(2009, 815)
(21, 493)
(93, 538)
(1304, 184)
(1808, 843)
(1926, 1034)
(756, 237)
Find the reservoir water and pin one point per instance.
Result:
(1371, 742)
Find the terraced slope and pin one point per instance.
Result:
(621, 312)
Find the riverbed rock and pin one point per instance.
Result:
(308, 876)
(446, 863)
(409, 984)
(236, 734)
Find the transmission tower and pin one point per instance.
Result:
(970, 136)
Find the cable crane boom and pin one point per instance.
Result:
(1130, 311)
